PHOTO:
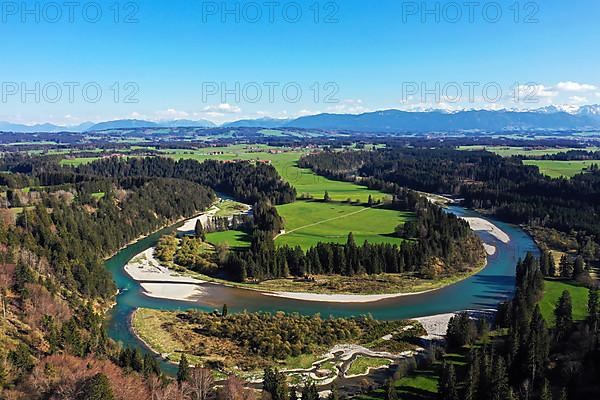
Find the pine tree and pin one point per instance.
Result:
(275, 383)
(183, 372)
(97, 388)
(137, 363)
(564, 316)
(579, 267)
(593, 309)
(546, 392)
(447, 384)
(150, 365)
(500, 387)
(471, 383)
(199, 231)
(551, 265)
(390, 390)
(538, 344)
(566, 268)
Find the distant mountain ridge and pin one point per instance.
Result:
(258, 123)
(436, 121)
(386, 121)
(136, 123)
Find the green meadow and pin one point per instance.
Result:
(309, 222)
(509, 151)
(557, 169)
(234, 239)
(306, 222)
(304, 180)
(553, 290)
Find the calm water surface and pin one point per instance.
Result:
(482, 291)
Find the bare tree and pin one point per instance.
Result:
(233, 389)
(200, 385)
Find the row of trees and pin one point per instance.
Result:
(515, 192)
(435, 243)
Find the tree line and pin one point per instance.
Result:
(505, 187)
(435, 243)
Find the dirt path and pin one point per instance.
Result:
(326, 220)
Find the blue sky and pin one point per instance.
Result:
(174, 58)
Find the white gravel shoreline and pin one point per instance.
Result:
(146, 269)
(480, 224)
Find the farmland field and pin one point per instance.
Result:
(310, 222)
(307, 222)
(304, 180)
(557, 169)
(507, 151)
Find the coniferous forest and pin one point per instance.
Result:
(55, 288)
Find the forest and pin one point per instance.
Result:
(54, 287)
(502, 186)
(529, 358)
(243, 181)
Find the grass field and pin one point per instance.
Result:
(74, 162)
(304, 180)
(228, 208)
(506, 151)
(361, 365)
(557, 169)
(307, 222)
(234, 239)
(420, 385)
(552, 292)
(310, 222)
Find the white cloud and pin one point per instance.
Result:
(571, 86)
(348, 106)
(578, 99)
(137, 115)
(535, 91)
(170, 114)
(223, 108)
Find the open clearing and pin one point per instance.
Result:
(507, 151)
(557, 169)
(306, 222)
(362, 364)
(285, 161)
(310, 222)
(552, 292)
(234, 239)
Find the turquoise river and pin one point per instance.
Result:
(484, 290)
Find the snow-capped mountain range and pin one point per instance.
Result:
(548, 118)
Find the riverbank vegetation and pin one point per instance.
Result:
(525, 355)
(246, 343)
(54, 287)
